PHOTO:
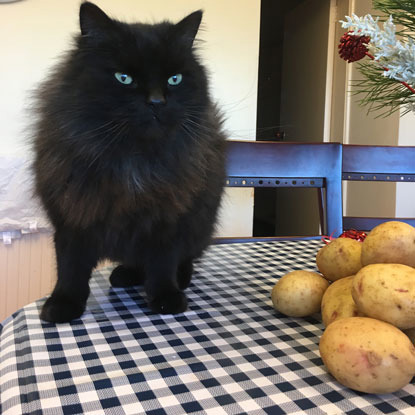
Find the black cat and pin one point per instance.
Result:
(129, 160)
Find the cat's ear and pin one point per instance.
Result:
(93, 20)
(187, 28)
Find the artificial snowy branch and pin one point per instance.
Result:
(398, 57)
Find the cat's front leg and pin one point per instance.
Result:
(184, 273)
(162, 287)
(75, 261)
(124, 276)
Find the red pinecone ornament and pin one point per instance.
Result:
(352, 48)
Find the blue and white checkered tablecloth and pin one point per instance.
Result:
(230, 353)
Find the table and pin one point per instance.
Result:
(230, 353)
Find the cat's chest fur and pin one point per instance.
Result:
(133, 187)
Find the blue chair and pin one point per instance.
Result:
(283, 164)
(377, 163)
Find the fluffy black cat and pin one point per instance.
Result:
(129, 160)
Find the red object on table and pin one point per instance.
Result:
(350, 233)
(354, 234)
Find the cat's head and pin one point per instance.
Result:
(145, 75)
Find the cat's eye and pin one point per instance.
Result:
(123, 78)
(175, 79)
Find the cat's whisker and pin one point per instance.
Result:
(192, 134)
(194, 126)
(74, 115)
(108, 127)
(90, 143)
(187, 130)
(238, 133)
(75, 137)
(201, 128)
(121, 129)
(108, 124)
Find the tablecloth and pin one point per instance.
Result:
(230, 353)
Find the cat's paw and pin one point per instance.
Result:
(125, 277)
(169, 303)
(58, 310)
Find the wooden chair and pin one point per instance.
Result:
(282, 164)
(377, 163)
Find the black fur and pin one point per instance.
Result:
(133, 173)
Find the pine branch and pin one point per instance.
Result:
(403, 12)
(377, 92)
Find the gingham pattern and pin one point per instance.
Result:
(230, 353)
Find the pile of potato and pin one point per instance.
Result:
(366, 295)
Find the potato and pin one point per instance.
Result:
(338, 302)
(299, 293)
(368, 355)
(390, 242)
(340, 258)
(386, 292)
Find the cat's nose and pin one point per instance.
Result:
(156, 97)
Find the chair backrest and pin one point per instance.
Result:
(377, 163)
(282, 164)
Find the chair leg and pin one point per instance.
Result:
(321, 208)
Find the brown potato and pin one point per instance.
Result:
(368, 355)
(299, 293)
(390, 242)
(338, 302)
(386, 292)
(340, 258)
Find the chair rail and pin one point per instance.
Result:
(366, 224)
(233, 181)
(399, 160)
(285, 164)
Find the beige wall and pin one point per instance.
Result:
(35, 32)
(351, 124)
(405, 192)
